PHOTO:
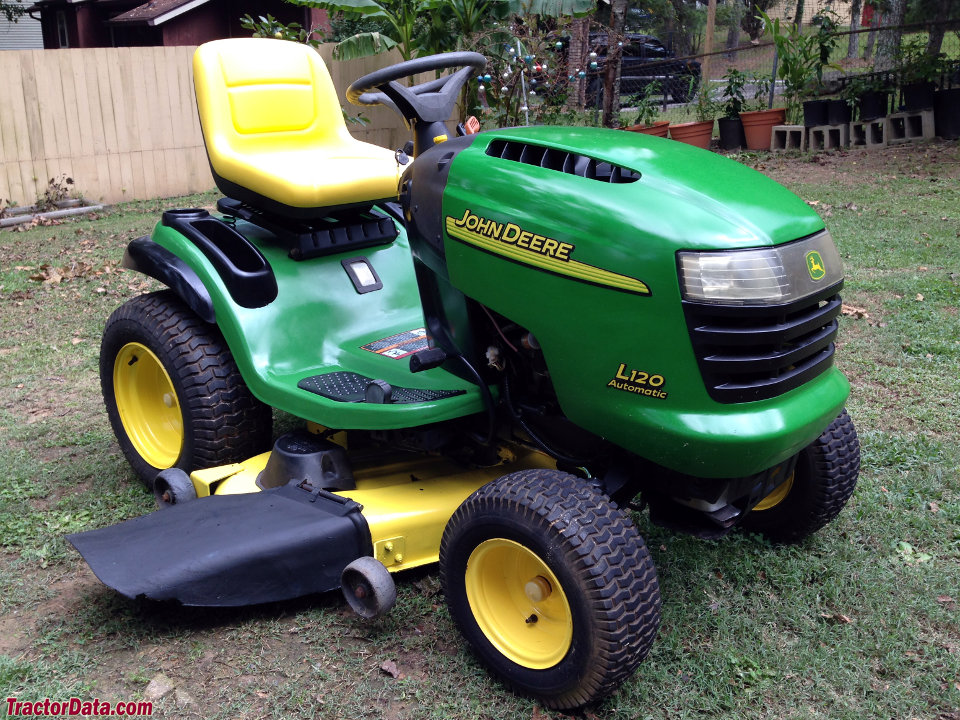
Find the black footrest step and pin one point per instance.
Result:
(344, 386)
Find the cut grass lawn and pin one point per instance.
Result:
(859, 621)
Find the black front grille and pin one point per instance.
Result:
(756, 352)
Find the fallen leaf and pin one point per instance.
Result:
(390, 668)
(76, 341)
(853, 312)
(836, 618)
(944, 599)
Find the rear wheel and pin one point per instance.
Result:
(173, 393)
(551, 585)
(823, 481)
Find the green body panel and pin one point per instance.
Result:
(319, 323)
(686, 199)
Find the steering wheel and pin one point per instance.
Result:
(422, 106)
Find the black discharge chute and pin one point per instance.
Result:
(231, 550)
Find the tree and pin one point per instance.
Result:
(751, 23)
(400, 16)
(888, 43)
(611, 72)
(577, 57)
(853, 42)
(936, 13)
(12, 10)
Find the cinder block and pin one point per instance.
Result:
(909, 126)
(828, 137)
(788, 137)
(868, 134)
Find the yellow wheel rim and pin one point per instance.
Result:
(519, 604)
(148, 405)
(777, 496)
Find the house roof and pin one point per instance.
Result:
(157, 12)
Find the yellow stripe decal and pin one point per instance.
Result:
(544, 253)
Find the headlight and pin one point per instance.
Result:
(764, 276)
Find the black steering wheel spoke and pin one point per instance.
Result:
(425, 107)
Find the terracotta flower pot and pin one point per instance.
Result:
(693, 133)
(658, 129)
(758, 126)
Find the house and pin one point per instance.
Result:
(21, 35)
(133, 23)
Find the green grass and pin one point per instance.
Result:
(859, 621)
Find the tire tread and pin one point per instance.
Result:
(601, 544)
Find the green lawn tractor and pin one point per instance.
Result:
(495, 342)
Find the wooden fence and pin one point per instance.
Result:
(122, 122)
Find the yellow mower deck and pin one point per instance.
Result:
(406, 503)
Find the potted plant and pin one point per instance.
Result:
(700, 132)
(946, 103)
(732, 102)
(870, 94)
(801, 60)
(917, 73)
(822, 111)
(839, 111)
(647, 111)
(758, 120)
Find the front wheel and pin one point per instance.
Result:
(173, 393)
(824, 479)
(551, 585)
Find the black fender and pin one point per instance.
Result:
(145, 256)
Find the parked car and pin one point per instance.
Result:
(646, 60)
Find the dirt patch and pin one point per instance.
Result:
(936, 160)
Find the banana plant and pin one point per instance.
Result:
(468, 17)
(399, 15)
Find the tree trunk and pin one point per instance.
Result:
(935, 41)
(577, 60)
(871, 37)
(611, 72)
(888, 43)
(733, 29)
(798, 14)
(853, 41)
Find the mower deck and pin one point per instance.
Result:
(237, 545)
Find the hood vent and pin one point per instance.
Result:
(561, 161)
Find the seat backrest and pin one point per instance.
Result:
(260, 95)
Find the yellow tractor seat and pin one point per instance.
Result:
(275, 134)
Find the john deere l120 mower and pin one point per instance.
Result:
(496, 341)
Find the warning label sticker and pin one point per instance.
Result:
(401, 345)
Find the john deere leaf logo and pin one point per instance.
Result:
(815, 265)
